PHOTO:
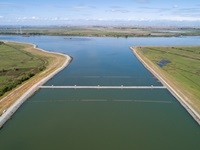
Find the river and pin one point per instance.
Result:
(96, 119)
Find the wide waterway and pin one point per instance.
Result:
(101, 119)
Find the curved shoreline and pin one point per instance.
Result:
(17, 104)
(171, 89)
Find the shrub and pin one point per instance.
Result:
(5, 87)
(2, 43)
(41, 68)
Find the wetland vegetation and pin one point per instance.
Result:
(103, 31)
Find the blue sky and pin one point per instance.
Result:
(101, 12)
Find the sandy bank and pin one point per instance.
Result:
(168, 83)
(44, 76)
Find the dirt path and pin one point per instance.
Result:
(171, 85)
(10, 102)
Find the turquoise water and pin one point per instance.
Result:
(96, 119)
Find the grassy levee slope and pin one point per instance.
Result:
(21, 67)
(181, 68)
(17, 66)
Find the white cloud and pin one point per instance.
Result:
(119, 10)
(83, 7)
(101, 19)
(175, 6)
(178, 18)
(33, 17)
(62, 19)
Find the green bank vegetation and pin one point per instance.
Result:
(182, 65)
(101, 31)
(17, 65)
(22, 66)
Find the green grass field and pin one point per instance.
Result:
(17, 66)
(182, 64)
